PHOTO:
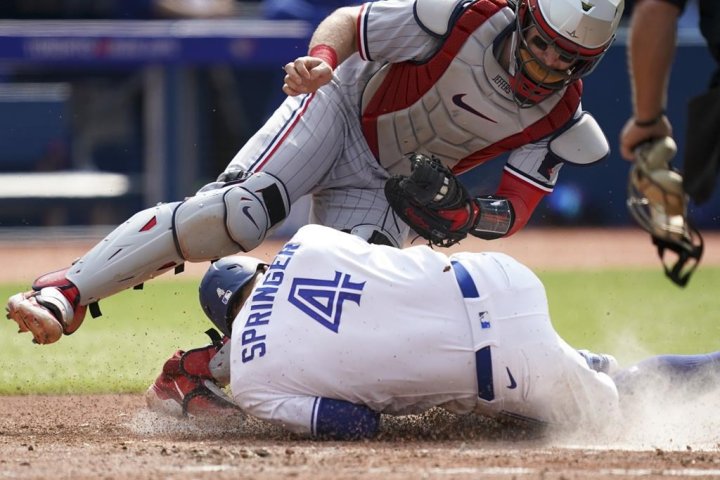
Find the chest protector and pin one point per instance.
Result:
(458, 105)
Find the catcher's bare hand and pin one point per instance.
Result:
(24, 309)
(632, 135)
(306, 75)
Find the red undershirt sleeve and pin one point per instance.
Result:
(523, 196)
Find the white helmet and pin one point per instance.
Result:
(579, 30)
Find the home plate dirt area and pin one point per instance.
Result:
(116, 437)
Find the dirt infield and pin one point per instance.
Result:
(115, 437)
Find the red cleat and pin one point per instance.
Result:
(48, 311)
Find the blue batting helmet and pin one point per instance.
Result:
(222, 283)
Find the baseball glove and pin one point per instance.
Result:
(658, 203)
(432, 201)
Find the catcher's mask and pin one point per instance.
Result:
(658, 203)
(578, 32)
(221, 285)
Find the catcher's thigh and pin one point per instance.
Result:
(361, 211)
(208, 226)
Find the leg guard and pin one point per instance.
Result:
(210, 225)
(221, 222)
(138, 250)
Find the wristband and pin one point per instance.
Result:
(651, 122)
(325, 53)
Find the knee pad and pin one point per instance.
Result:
(205, 227)
(221, 222)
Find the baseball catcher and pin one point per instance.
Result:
(461, 81)
(658, 203)
(433, 202)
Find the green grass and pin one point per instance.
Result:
(636, 313)
(121, 351)
(631, 314)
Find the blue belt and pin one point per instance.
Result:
(483, 370)
(467, 286)
(483, 357)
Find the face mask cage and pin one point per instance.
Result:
(533, 79)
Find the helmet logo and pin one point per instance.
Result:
(223, 295)
(572, 34)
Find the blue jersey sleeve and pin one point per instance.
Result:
(341, 420)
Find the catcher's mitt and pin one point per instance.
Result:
(432, 201)
(658, 203)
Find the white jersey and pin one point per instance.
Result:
(341, 143)
(401, 331)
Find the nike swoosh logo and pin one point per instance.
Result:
(458, 100)
(246, 211)
(513, 383)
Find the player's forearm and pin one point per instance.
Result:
(651, 53)
(339, 32)
(523, 198)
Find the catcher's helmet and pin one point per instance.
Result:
(222, 283)
(580, 31)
